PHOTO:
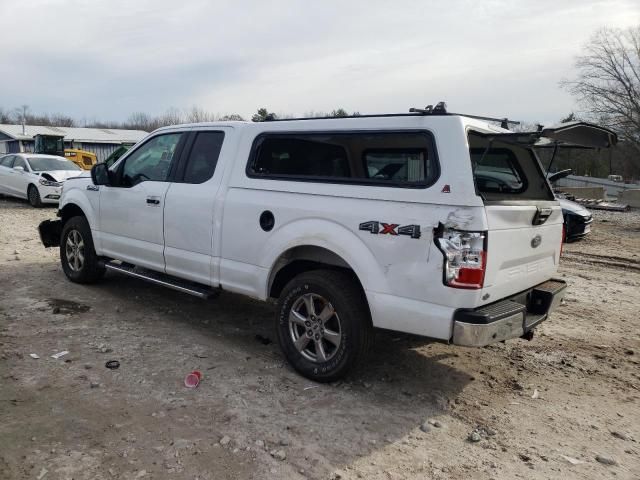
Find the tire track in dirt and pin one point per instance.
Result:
(605, 260)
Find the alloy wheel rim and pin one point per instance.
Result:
(74, 249)
(315, 328)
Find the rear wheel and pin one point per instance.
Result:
(34, 196)
(323, 324)
(77, 254)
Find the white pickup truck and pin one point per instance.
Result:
(432, 223)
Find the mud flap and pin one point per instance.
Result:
(50, 231)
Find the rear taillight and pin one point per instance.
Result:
(465, 257)
(564, 236)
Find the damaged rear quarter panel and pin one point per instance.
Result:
(402, 273)
(462, 219)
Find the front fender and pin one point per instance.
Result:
(88, 206)
(77, 197)
(335, 238)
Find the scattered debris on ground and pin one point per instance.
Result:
(598, 204)
(418, 410)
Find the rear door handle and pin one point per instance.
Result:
(153, 201)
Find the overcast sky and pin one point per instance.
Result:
(107, 59)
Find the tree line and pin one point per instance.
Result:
(145, 121)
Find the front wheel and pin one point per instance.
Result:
(323, 324)
(77, 254)
(34, 196)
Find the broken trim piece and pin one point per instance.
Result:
(50, 231)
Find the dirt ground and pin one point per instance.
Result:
(541, 409)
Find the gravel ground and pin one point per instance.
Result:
(563, 405)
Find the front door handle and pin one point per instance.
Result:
(153, 201)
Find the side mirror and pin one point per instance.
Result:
(18, 169)
(100, 174)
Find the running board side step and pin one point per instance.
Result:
(195, 289)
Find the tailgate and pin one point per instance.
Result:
(519, 253)
(524, 220)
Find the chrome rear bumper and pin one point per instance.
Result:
(509, 318)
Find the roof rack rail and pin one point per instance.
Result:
(504, 122)
(372, 115)
(439, 109)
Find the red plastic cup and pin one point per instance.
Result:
(193, 379)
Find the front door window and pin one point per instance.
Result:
(150, 162)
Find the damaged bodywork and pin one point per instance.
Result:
(50, 231)
(35, 177)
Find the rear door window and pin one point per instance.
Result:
(203, 157)
(400, 159)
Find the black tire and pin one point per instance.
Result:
(351, 319)
(80, 265)
(34, 196)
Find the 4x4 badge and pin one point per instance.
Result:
(390, 229)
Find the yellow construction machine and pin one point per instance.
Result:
(54, 145)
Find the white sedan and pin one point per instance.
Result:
(35, 177)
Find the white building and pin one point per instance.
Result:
(101, 141)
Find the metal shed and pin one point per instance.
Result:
(101, 141)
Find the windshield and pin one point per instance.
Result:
(42, 164)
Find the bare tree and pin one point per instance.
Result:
(608, 81)
(196, 115)
(233, 117)
(139, 121)
(20, 114)
(171, 117)
(5, 116)
(62, 120)
(315, 114)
